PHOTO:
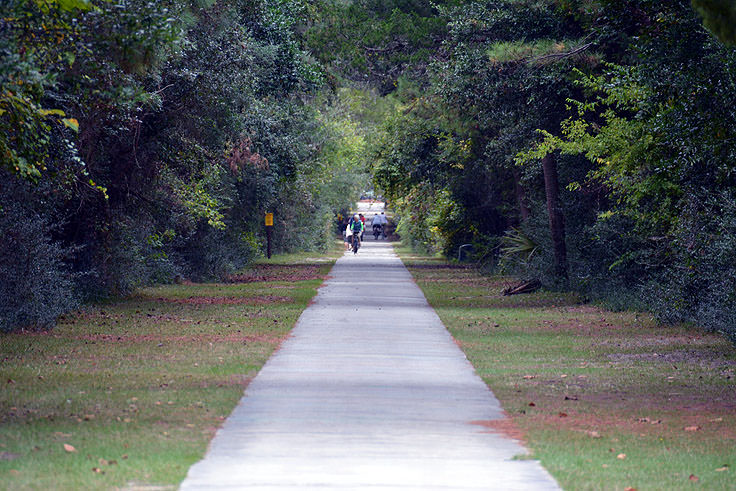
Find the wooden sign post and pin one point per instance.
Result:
(269, 226)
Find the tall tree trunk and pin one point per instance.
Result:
(520, 195)
(556, 220)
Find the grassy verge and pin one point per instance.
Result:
(605, 400)
(128, 394)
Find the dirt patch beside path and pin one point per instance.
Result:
(278, 272)
(201, 338)
(254, 300)
(504, 426)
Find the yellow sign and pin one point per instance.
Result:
(269, 219)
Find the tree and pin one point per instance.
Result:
(656, 135)
(556, 218)
(506, 72)
(719, 16)
(154, 135)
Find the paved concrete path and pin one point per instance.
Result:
(369, 392)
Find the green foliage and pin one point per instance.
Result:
(633, 98)
(164, 131)
(421, 218)
(376, 42)
(339, 172)
(615, 143)
(158, 134)
(36, 286)
(655, 135)
(719, 16)
(516, 244)
(699, 282)
(47, 6)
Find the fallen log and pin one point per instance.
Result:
(524, 287)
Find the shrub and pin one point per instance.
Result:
(36, 285)
(213, 254)
(700, 285)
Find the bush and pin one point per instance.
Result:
(36, 285)
(700, 285)
(213, 254)
(427, 220)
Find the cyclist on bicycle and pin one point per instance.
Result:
(379, 223)
(356, 227)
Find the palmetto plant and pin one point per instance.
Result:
(515, 244)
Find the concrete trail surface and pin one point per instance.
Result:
(369, 392)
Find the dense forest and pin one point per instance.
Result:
(588, 144)
(143, 141)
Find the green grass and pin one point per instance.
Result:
(584, 385)
(138, 386)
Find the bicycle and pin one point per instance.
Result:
(356, 243)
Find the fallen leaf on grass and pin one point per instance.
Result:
(621, 456)
(593, 434)
(562, 415)
(571, 398)
(97, 470)
(716, 420)
(694, 478)
(692, 428)
(629, 488)
(528, 377)
(722, 469)
(69, 448)
(531, 404)
(650, 421)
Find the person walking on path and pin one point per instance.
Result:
(391, 404)
(362, 220)
(346, 235)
